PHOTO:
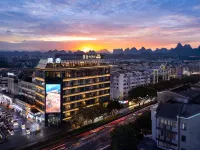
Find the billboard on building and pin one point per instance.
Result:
(53, 98)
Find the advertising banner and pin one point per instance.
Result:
(53, 98)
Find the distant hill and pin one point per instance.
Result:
(103, 51)
(179, 50)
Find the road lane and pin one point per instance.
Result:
(99, 137)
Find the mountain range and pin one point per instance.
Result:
(179, 50)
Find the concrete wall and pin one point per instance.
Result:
(192, 133)
(153, 121)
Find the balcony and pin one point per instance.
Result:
(86, 77)
(38, 101)
(67, 118)
(168, 127)
(39, 87)
(85, 99)
(39, 94)
(99, 89)
(40, 79)
(79, 86)
(160, 137)
(73, 109)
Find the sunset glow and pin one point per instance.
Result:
(93, 24)
(86, 49)
(66, 38)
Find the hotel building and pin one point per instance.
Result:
(69, 84)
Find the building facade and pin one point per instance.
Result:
(3, 83)
(27, 91)
(63, 86)
(175, 122)
(122, 82)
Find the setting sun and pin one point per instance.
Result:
(86, 49)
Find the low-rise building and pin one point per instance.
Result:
(27, 90)
(176, 119)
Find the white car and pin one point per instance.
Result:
(15, 123)
(23, 126)
(28, 131)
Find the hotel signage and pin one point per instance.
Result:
(51, 60)
(97, 56)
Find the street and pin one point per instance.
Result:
(99, 138)
(20, 137)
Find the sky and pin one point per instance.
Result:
(98, 24)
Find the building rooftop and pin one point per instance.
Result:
(169, 110)
(177, 104)
(172, 110)
(191, 92)
(189, 110)
(50, 63)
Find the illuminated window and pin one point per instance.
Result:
(183, 126)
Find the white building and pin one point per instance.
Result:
(122, 82)
(6, 99)
(27, 90)
(3, 83)
(176, 120)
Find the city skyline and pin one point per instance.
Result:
(92, 24)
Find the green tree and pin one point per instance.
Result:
(87, 114)
(91, 113)
(127, 137)
(78, 118)
(141, 93)
(113, 106)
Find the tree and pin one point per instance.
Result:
(79, 117)
(127, 137)
(100, 110)
(87, 114)
(113, 106)
(91, 113)
(141, 93)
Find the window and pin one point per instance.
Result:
(173, 136)
(160, 143)
(183, 138)
(173, 124)
(183, 126)
(161, 121)
(165, 122)
(161, 133)
(168, 134)
(168, 122)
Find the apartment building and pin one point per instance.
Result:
(123, 81)
(62, 86)
(176, 119)
(27, 91)
(12, 85)
(3, 83)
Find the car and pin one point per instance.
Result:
(15, 123)
(23, 126)
(27, 131)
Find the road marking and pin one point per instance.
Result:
(104, 147)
